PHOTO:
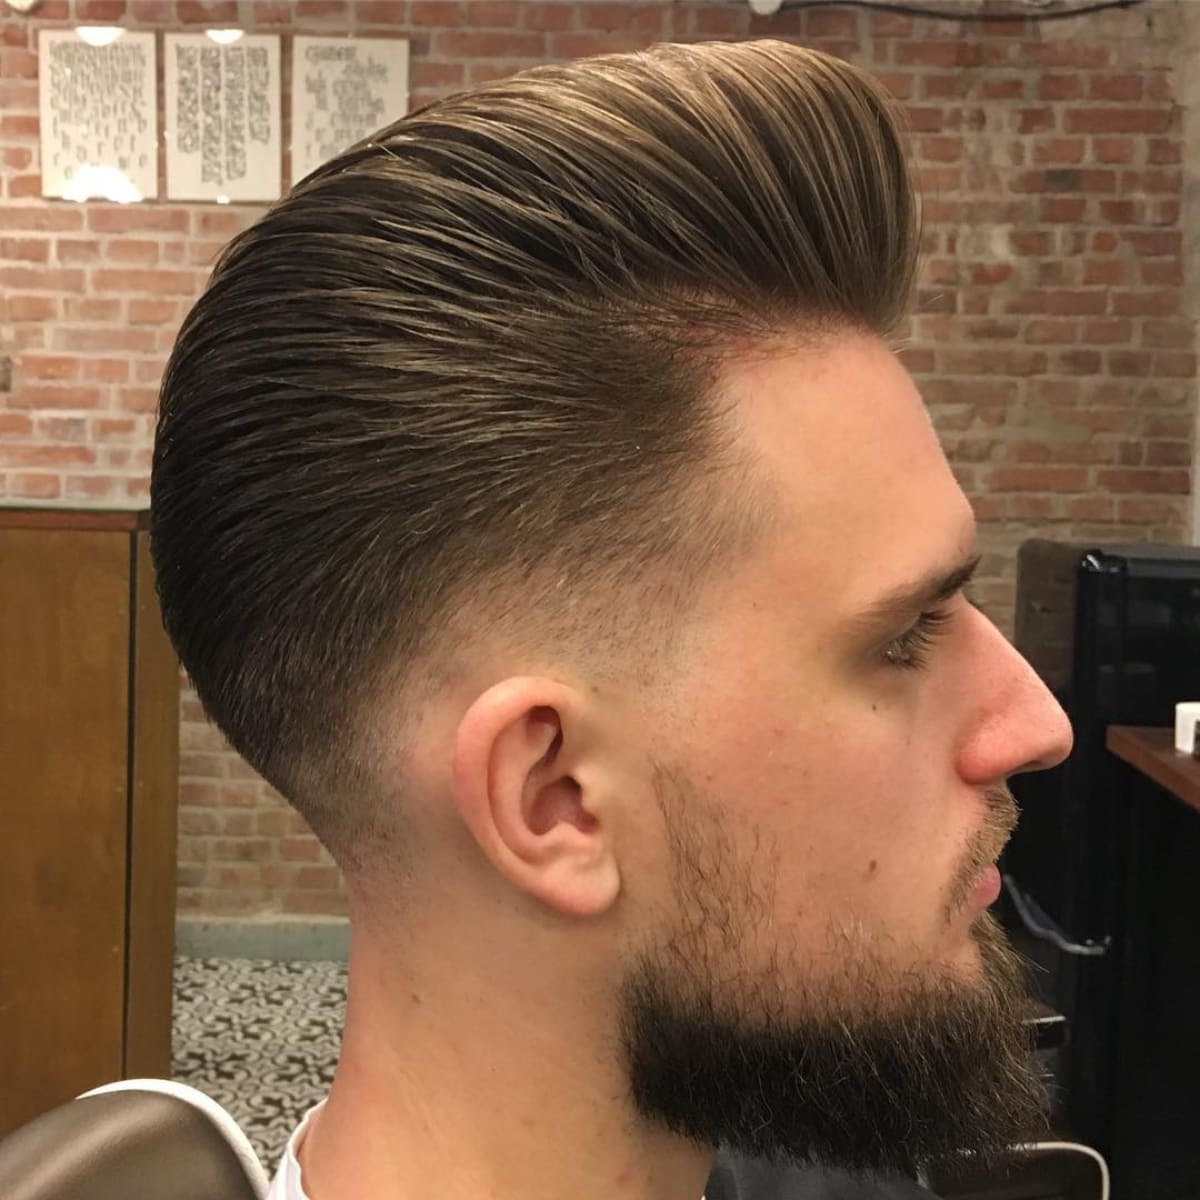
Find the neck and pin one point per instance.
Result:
(446, 1087)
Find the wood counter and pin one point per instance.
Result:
(1152, 752)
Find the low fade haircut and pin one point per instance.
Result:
(464, 377)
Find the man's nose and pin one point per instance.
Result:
(1021, 726)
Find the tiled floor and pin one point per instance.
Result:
(260, 1038)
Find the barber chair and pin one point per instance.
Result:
(140, 1139)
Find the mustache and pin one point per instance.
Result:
(999, 821)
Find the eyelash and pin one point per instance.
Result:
(910, 651)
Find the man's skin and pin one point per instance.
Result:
(482, 1052)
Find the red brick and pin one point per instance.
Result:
(1115, 87)
(1090, 508)
(81, 339)
(1035, 120)
(115, 429)
(1152, 182)
(1030, 242)
(12, 455)
(153, 312)
(104, 12)
(17, 158)
(622, 18)
(91, 308)
(1163, 212)
(76, 250)
(279, 12)
(299, 849)
(1112, 150)
(150, 12)
(41, 279)
(957, 53)
(35, 250)
(583, 45)
(1168, 454)
(1149, 480)
(1041, 478)
(1161, 273)
(1146, 304)
(988, 360)
(129, 250)
(138, 218)
(1163, 151)
(27, 217)
(1076, 304)
(941, 149)
(713, 22)
(1051, 333)
(1175, 364)
(1058, 150)
(437, 75)
(1078, 362)
(436, 12)
(1167, 425)
(53, 395)
(1002, 89)
(148, 370)
(15, 424)
(1143, 511)
(491, 44)
(30, 308)
(272, 823)
(1170, 335)
(1107, 332)
(174, 283)
(1105, 270)
(49, 366)
(207, 12)
(317, 878)
(1067, 52)
(1116, 120)
(16, 94)
(1125, 364)
(137, 399)
(106, 370)
(16, 63)
(1061, 209)
(19, 125)
(35, 486)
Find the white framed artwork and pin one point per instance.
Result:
(343, 89)
(98, 108)
(223, 128)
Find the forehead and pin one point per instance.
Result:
(864, 492)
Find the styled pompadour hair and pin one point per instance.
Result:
(462, 375)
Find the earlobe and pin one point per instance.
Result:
(517, 769)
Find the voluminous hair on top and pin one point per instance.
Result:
(461, 377)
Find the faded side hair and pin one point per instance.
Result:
(463, 371)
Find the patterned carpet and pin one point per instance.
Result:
(260, 1038)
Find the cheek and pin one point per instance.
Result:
(854, 820)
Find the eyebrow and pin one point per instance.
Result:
(903, 602)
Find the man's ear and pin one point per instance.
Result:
(517, 758)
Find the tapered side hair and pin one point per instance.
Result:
(462, 377)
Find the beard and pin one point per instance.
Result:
(868, 1067)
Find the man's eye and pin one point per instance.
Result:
(910, 651)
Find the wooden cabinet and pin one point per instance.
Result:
(89, 746)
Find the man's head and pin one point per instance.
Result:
(538, 505)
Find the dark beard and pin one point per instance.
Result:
(910, 1071)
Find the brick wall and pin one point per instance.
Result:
(1052, 338)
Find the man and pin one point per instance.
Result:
(539, 506)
